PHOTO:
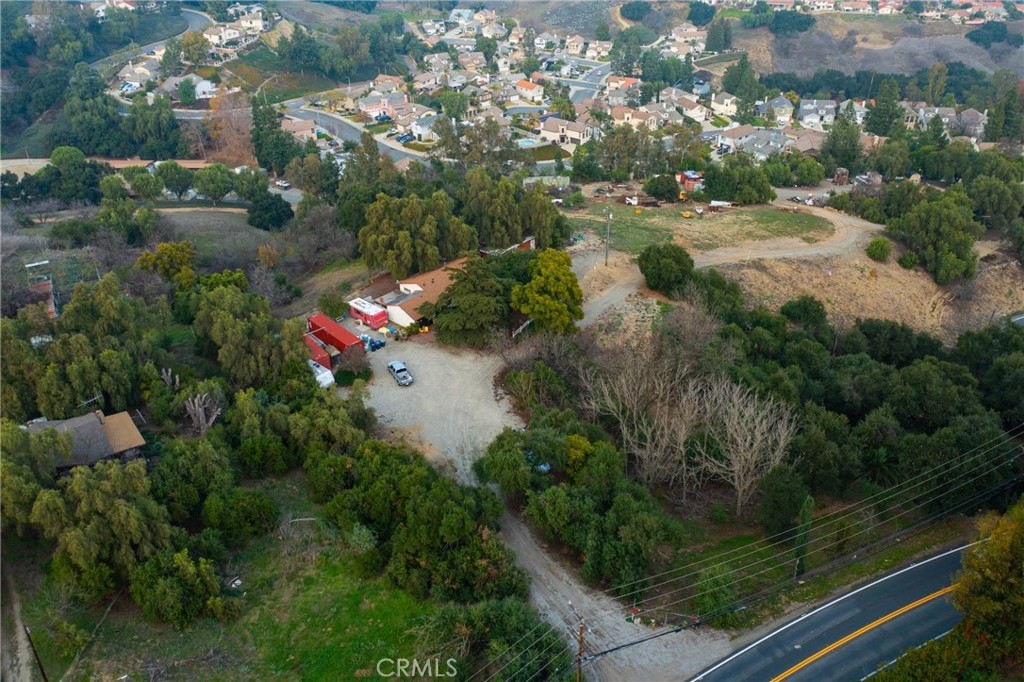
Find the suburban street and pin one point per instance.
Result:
(197, 21)
(587, 86)
(849, 637)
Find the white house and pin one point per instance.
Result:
(221, 35)
(423, 127)
(530, 91)
(816, 112)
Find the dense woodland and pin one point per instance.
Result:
(238, 406)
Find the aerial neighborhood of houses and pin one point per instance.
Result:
(521, 103)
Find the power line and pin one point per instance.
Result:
(829, 519)
(756, 598)
(959, 461)
(822, 548)
(835, 517)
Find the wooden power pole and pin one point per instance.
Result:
(31, 644)
(579, 655)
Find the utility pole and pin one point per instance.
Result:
(607, 236)
(28, 633)
(579, 655)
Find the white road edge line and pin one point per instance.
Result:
(823, 607)
(884, 667)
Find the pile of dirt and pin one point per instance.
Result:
(283, 29)
(857, 287)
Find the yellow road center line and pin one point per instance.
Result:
(857, 633)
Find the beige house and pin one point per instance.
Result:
(724, 104)
(574, 44)
(561, 131)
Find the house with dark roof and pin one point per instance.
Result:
(94, 437)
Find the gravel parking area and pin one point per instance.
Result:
(450, 412)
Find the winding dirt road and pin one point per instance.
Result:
(851, 236)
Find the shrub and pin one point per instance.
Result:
(663, 187)
(879, 249)
(574, 199)
(908, 260)
(635, 11)
(666, 267)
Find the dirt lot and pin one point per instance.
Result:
(855, 286)
(889, 44)
(632, 231)
(451, 412)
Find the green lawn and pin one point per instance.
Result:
(153, 27)
(307, 616)
(256, 66)
(631, 232)
(547, 153)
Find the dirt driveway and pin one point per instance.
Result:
(450, 412)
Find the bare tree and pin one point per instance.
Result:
(203, 410)
(229, 123)
(750, 434)
(655, 407)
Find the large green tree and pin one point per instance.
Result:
(411, 234)
(886, 110)
(552, 298)
(472, 308)
(105, 523)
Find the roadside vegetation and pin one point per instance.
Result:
(810, 456)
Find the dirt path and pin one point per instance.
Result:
(17, 655)
(851, 236)
(617, 15)
(562, 600)
(602, 293)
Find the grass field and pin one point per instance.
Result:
(222, 238)
(719, 59)
(632, 231)
(256, 66)
(547, 153)
(307, 616)
(153, 27)
(35, 142)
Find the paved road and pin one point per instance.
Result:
(587, 86)
(197, 21)
(848, 638)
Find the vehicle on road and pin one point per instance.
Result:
(283, 184)
(400, 372)
(796, 199)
